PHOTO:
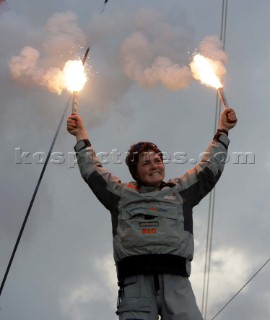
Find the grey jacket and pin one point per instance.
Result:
(153, 227)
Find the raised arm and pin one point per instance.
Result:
(104, 185)
(199, 181)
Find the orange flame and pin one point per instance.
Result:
(74, 75)
(206, 70)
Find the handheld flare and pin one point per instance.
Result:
(224, 102)
(75, 94)
(75, 97)
(222, 97)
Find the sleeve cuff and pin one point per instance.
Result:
(82, 144)
(222, 138)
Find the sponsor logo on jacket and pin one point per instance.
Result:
(149, 231)
(142, 209)
(170, 197)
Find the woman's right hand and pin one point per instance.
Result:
(75, 126)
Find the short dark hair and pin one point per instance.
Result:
(134, 152)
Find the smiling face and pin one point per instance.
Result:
(150, 169)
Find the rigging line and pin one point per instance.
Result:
(103, 6)
(223, 40)
(210, 250)
(211, 211)
(33, 198)
(206, 255)
(224, 23)
(234, 296)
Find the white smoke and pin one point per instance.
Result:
(61, 35)
(158, 52)
(212, 48)
(168, 73)
(25, 64)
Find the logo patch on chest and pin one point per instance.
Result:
(149, 230)
(149, 224)
(149, 227)
(170, 197)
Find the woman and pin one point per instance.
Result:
(152, 222)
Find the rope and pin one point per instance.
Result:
(33, 199)
(208, 252)
(211, 211)
(234, 296)
(103, 6)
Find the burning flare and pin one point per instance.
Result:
(75, 79)
(74, 75)
(206, 70)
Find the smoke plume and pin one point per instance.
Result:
(158, 52)
(211, 49)
(138, 54)
(61, 35)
